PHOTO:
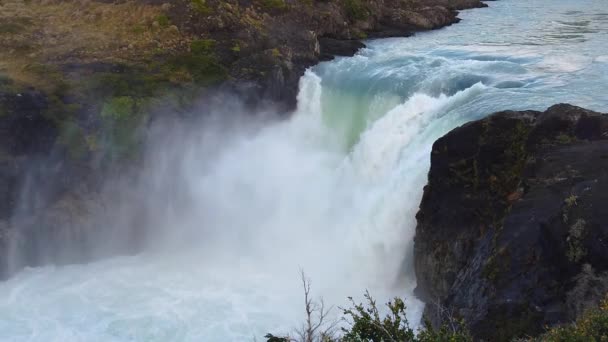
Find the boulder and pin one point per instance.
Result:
(512, 232)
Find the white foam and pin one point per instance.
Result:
(565, 63)
(602, 59)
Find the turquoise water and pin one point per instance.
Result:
(529, 54)
(332, 191)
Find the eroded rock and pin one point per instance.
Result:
(512, 230)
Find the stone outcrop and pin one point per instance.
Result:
(512, 230)
(270, 47)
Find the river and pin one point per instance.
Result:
(332, 191)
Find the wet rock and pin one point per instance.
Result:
(331, 47)
(512, 229)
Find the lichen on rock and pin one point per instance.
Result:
(512, 216)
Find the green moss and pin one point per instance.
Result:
(163, 20)
(273, 4)
(361, 35)
(497, 265)
(201, 64)
(138, 29)
(205, 70)
(355, 9)
(202, 47)
(121, 117)
(120, 109)
(130, 82)
(201, 7)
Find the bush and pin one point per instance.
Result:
(592, 327)
(363, 323)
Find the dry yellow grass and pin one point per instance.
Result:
(59, 31)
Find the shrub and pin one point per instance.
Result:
(367, 325)
(363, 323)
(592, 326)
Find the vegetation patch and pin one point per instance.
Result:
(121, 117)
(576, 251)
(163, 20)
(273, 4)
(356, 10)
(201, 7)
(497, 265)
(72, 137)
(592, 326)
(365, 323)
(14, 25)
(201, 65)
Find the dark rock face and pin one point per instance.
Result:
(24, 133)
(331, 47)
(277, 45)
(512, 230)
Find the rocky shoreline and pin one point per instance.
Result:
(512, 230)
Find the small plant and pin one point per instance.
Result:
(571, 201)
(201, 7)
(592, 326)
(202, 47)
(576, 251)
(363, 323)
(367, 325)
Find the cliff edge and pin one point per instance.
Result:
(512, 230)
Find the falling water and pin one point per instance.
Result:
(236, 205)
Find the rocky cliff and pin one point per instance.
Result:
(512, 230)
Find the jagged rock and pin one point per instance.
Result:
(331, 47)
(513, 227)
(305, 33)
